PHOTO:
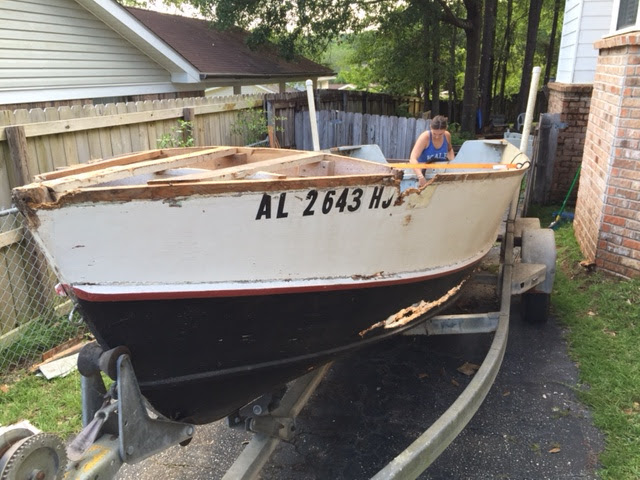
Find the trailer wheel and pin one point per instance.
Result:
(535, 307)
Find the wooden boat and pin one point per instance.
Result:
(228, 271)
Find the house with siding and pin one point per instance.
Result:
(54, 52)
(597, 94)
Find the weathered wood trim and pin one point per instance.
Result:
(163, 192)
(18, 152)
(122, 171)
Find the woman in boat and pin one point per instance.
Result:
(433, 145)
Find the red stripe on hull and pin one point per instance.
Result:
(186, 294)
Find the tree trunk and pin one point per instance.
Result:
(453, 96)
(535, 8)
(473, 33)
(426, 52)
(505, 53)
(486, 62)
(552, 42)
(435, 62)
(427, 101)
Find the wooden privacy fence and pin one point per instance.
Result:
(286, 108)
(394, 135)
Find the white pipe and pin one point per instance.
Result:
(312, 117)
(531, 105)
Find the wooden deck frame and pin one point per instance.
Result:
(241, 171)
(102, 175)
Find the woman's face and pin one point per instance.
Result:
(437, 132)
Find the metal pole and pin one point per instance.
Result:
(312, 117)
(531, 106)
(528, 118)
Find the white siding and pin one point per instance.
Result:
(585, 21)
(54, 49)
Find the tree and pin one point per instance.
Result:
(409, 47)
(551, 49)
(503, 56)
(308, 25)
(487, 58)
(472, 26)
(535, 9)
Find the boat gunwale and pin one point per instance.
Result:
(45, 199)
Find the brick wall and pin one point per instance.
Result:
(607, 219)
(572, 102)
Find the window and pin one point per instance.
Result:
(627, 13)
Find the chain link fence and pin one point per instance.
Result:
(33, 318)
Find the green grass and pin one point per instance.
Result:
(602, 314)
(53, 406)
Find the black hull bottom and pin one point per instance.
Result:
(198, 360)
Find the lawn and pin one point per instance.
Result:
(602, 315)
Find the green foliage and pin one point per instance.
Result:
(251, 125)
(180, 136)
(134, 3)
(458, 137)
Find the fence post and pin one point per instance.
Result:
(189, 115)
(17, 142)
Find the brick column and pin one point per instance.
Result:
(607, 220)
(572, 102)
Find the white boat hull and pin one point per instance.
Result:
(223, 288)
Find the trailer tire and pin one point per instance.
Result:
(535, 307)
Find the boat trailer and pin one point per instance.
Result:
(121, 427)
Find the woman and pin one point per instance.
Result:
(433, 145)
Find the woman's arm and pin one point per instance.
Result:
(450, 153)
(418, 148)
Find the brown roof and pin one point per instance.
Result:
(223, 53)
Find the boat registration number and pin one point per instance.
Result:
(324, 202)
